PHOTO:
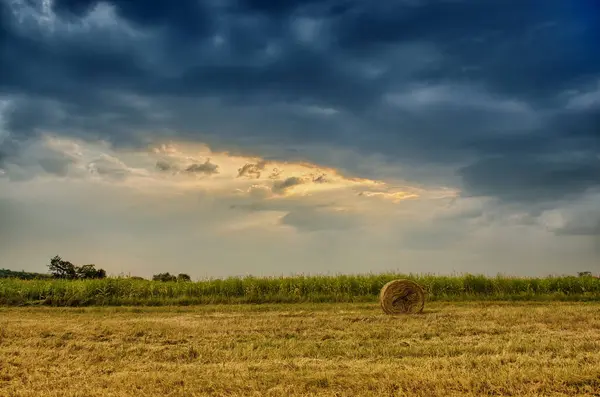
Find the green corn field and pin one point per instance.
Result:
(340, 288)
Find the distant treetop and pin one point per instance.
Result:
(66, 270)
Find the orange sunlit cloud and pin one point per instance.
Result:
(254, 175)
(182, 167)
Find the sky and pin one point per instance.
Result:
(269, 138)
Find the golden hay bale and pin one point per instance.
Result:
(402, 296)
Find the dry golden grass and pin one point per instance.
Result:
(469, 349)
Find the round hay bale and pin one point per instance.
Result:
(402, 297)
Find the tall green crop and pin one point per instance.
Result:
(340, 288)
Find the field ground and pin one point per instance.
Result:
(452, 349)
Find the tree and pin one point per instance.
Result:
(164, 277)
(183, 277)
(66, 270)
(584, 274)
(62, 269)
(90, 271)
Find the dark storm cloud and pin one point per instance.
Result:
(8, 149)
(186, 18)
(252, 170)
(523, 47)
(583, 227)
(580, 219)
(482, 85)
(109, 167)
(2, 161)
(278, 8)
(280, 187)
(529, 179)
(23, 160)
(206, 168)
(164, 166)
(559, 161)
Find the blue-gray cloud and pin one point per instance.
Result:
(482, 87)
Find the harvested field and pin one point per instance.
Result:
(465, 349)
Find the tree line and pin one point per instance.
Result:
(23, 275)
(62, 269)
